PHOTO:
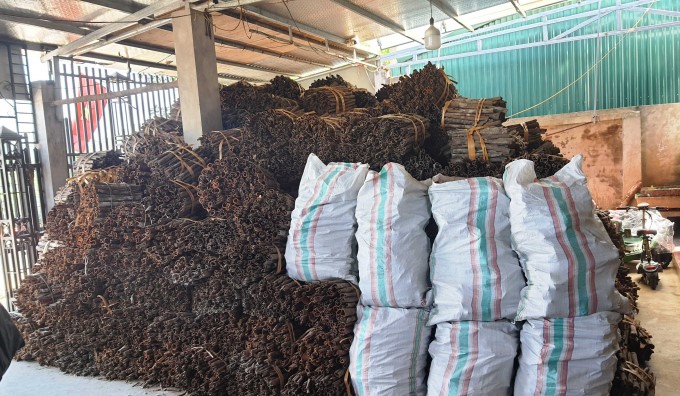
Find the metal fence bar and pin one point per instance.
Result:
(107, 106)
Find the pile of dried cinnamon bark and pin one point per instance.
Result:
(168, 267)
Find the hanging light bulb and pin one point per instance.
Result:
(433, 38)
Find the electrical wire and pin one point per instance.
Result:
(243, 23)
(616, 45)
(319, 52)
(285, 3)
(158, 63)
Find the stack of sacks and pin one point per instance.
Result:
(476, 279)
(569, 340)
(389, 352)
(321, 242)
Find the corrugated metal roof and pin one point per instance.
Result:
(261, 38)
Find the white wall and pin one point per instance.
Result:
(355, 75)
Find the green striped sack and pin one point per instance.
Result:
(321, 241)
(388, 356)
(474, 271)
(567, 256)
(568, 357)
(392, 212)
(473, 358)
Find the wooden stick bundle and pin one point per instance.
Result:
(329, 100)
(530, 133)
(475, 130)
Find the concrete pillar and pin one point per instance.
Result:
(197, 74)
(51, 140)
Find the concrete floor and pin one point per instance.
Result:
(30, 379)
(660, 315)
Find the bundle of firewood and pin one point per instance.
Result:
(98, 160)
(151, 144)
(331, 81)
(364, 99)
(424, 92)
(475, 130)
(427, 86)
(529, 133)
(405, 132)
(284, 87)
(328, 100)
(239, 100)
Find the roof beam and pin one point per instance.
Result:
(395, 27)
(306, 46)
(255, 67)
(159, 7)
(122, 36)
(133, 6)
(289, 22)
(119, 59)
(233, 77)
(161, 66)
(35, 20)
(304, 30)
(446, 8)
(515, 3)
(121, 5)
(117, 94)
(266, 51)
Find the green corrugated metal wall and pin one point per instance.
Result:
(644, 69)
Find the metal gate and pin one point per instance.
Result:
(21, 197)
(100, 108)
(104, 106)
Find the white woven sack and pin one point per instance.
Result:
(388, 356)
(475, 273)
(569, 260)
(568, 357)
(473, 358)
(392, 212)
(321, 241)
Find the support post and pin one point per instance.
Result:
(197, 74)
(51, 140)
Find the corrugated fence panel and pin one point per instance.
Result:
(643, 69)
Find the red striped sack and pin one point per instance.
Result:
(473, 358)
(568, 357)
(388, 356)
(569, 260)
(392, 212)
(321, 241)
(475, 273)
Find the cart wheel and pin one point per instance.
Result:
(653, 280)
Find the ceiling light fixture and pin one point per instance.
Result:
(433, 37)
